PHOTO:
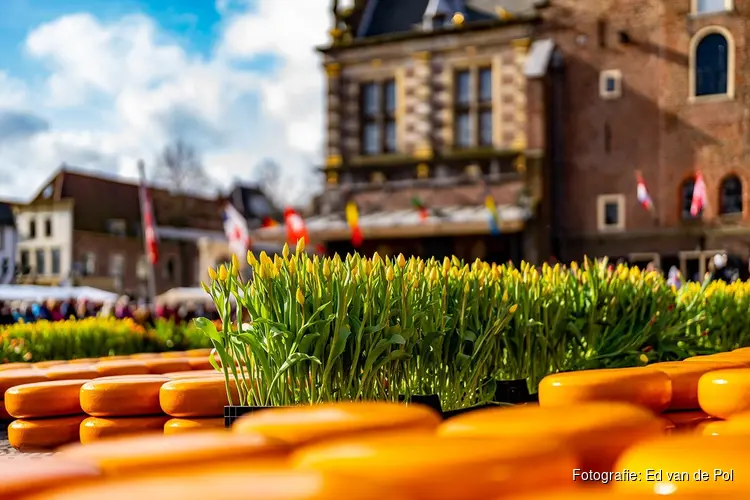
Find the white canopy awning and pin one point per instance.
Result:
(40, 293)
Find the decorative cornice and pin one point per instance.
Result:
(333, 69)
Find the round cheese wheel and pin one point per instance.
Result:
(227, 483)
(684, 377)
(14, 366)
(196, 397)
(447, 468)
(723, 393)
(721, 357)
(121, 367)
(146, 355)
(300, 425)
(71, 372)
(12, 378)
(114, 358)
(641, 386)
(122, 397)
(44, 433)
(198, 353)
(597, 433)
(185, 425)
(24, 476)
(97, 428)
(84, 361)
(737, 425)
(46, 364)
(687, 420)
(44, 399)
(195, 374)
(173, 354)
(200, 364)
(166, 365)
(152, 452)
(680, 454)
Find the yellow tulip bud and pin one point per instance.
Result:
(401, 261)
(389, 273)
(292, 267)
(309, 267)
(300, 297)
(505, 296)
(420, 267)
(326, 269)
(251, 260)
(300, 246)
(235, 265)
(433, 275)
(376, 258)
(285, 250)
(643, 359)
(513, 308)
(212, 273)
(223, 274)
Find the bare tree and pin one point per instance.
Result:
(268, 176)
(179, 166)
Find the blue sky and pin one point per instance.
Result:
(99, 84)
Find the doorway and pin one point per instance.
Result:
(694, 263)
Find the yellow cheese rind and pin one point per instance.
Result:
(123, 397)
(97, 428)
(44, 399)
(188, 425)
(44, 434)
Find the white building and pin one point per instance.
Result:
(8, 239)
(45, 240)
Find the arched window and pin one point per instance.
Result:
(730, 195)
(711, 64)
(686, 199)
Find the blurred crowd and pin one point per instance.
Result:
(53, 310)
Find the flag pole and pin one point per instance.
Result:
(151, 275)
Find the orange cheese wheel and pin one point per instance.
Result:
(14, 366)
(122, 397)
(195, 374)
(185, 425)
(721, 357)
(166, 365)
(121, 367)
(444, 469)
(145, 355)
(44, 433)
(71, 372)
(148, 452)
(597, 433)
(687, 420)
(684, 377)
(173, 354)
(641, 386)
(44, 399)
(196, 397)
(4, 415)
(198, 353)
(737, 425)
(23, 476)
(114, 358)
(301, 425)
(687, 453)
(96, 428)
(588, 493)
(84, 361)
(228, 483)
(12, 378)
(200, 364)
(47, 364)
(723, 393)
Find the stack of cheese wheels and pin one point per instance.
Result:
(109, 367)
(48, 414)
(596, 433)
(47, 364)
(17, 376)
(227, 483)
(121, 405)
(195, 403)
(161, 454)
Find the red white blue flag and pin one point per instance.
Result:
(642, 192)
(699, 195)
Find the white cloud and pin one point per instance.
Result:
(139, 88)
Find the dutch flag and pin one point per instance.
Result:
(235, 227)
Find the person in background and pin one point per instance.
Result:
(27, 314)
(40, 311)
(54, 310)
(6, 318)
(674, 278)
(67, 309)
(122, 308)
(107, 310)
(82, 309)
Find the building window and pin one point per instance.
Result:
(711, 6)
(48, 227)
(378, 117)
(610, 212)
(711, 59)
(118, 227)
(25, 261)
(55, 264)
(169, 269)
(117, 265)
(32, 229)
(610, 84)
(89, 264)
(686, 200)
(730, 195)
(472, 108)
(40, 264)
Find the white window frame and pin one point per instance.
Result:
(694, 41)
(614, 74)
(601, 203)
(52, 271)
(117, 227)
(114, 260)
(89, 264)
(728, 7)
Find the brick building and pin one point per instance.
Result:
(657, 87)
(427, 104)
(86, 229)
